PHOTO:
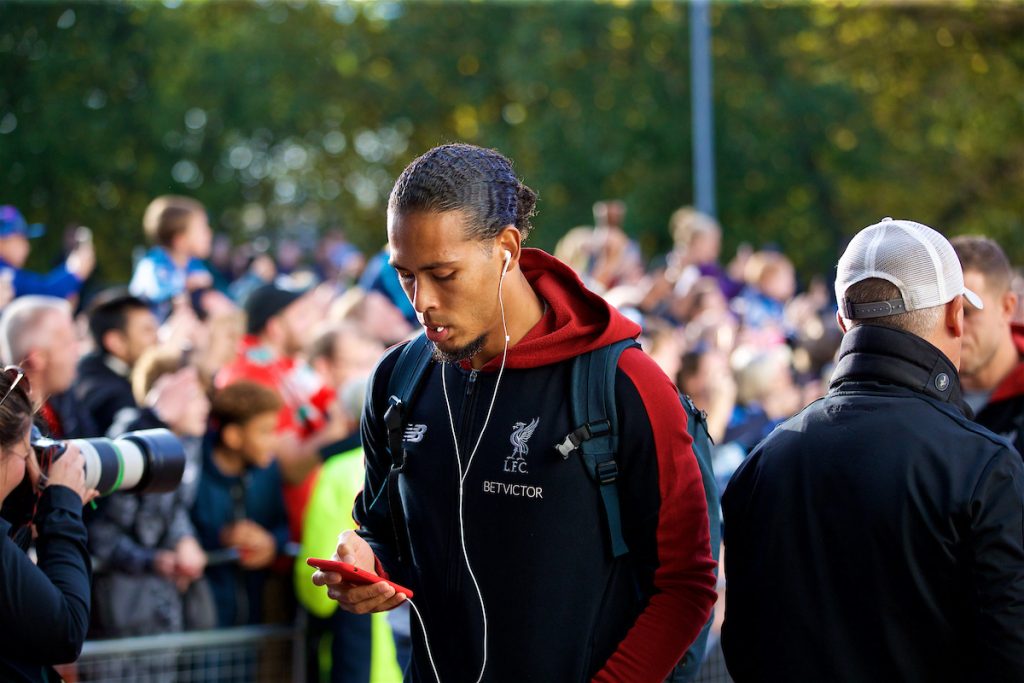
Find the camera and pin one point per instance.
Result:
(147, 461)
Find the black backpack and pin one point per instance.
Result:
(596, 439)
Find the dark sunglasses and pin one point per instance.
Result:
(17, 376)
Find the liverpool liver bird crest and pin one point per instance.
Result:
(521, 433)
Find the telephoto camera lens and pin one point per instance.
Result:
(147, 461)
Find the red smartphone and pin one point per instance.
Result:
(354, 574)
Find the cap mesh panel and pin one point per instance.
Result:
(912, 256)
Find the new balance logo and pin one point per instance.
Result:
(414, 433)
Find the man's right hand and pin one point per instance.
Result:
(172, 396)
(256, 546)
(375, 597)
(81, 261)
(165, 564)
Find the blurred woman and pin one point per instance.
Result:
(44, 607)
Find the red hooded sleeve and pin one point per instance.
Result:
(684, 580)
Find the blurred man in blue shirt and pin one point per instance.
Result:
(63, 281)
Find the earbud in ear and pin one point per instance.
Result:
(504, 267)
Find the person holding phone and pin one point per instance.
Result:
(44, 607)
(500, 538)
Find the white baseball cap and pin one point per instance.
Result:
(915, 258)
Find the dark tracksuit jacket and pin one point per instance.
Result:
(102, 389)
(879, 534)
(221, 500)
(559, 608)
(44, 608)
(1004, 412)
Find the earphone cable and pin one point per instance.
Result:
(426, 640)
(463, 475)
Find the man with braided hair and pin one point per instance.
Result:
(504, 541)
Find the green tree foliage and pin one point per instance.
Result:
(830, 118)
(290, 116)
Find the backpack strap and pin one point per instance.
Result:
(406, 378)
(597, 436)
(688, 668)
(404, 381)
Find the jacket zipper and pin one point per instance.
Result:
(466, 419)
(465, 424)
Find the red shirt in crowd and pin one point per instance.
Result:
(306, 400)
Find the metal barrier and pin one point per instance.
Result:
(245, 654)
(248, 654)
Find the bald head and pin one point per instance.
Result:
(38, 333)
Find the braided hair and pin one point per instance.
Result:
(460, 177)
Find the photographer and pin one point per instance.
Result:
(44, 608)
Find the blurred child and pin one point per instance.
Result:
(239, 513)
(771, 282)
(615, 259)
(766, 395)
(180, 232)
(697, 245)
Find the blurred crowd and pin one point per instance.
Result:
(737, 337)
(257, 355)
(257, 360)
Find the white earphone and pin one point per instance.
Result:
(501, 302)
(462, 480)
(504, 270)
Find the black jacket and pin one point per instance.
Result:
(879, 534)
(75, 420)
(125, 534)
(102, 390)
(1004, 412)
(44, 609)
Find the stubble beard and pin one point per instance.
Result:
(461, 353)
(977, 363)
